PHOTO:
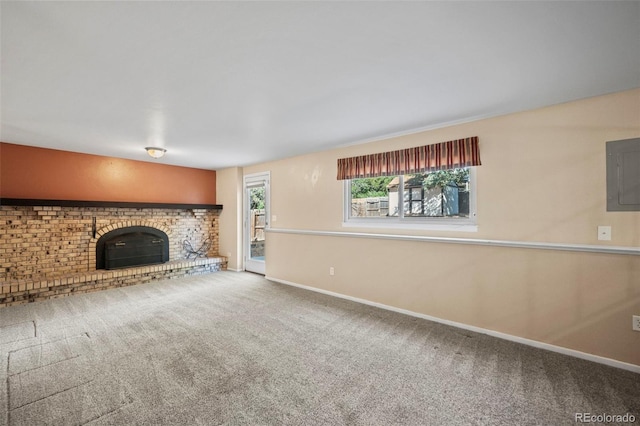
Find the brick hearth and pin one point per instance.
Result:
(24, 291)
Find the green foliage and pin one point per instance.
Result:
(370, 187)
(444, 177)
(377, 187)
(257, 198)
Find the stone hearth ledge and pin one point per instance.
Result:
(24, 291)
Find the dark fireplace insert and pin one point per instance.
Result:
(132, 246)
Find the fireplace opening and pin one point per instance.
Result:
(132, 246)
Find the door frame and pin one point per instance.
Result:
(249, 264)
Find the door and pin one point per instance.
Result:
(256, 221)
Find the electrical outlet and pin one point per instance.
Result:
(332, 271)
(636, 323)
(604, 233)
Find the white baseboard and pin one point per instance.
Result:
(235, 270)
(553, 348)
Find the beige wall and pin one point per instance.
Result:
(542, 180)
(229, 194)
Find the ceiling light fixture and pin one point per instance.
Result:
(156, 152)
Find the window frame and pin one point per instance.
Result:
(467, 224)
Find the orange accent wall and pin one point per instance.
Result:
(39, 173)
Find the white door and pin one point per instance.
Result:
(256, 221)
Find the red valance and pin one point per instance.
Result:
(441, 156)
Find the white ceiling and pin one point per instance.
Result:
(223, 84)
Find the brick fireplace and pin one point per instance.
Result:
(51, 250)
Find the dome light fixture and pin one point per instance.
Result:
(155, 152)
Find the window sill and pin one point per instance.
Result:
(423, 226)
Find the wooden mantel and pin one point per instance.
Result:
(122, 204)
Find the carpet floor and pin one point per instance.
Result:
(236, 349)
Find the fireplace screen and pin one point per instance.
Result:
(132, 246)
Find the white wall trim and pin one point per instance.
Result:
(534, 343)
(469, 241)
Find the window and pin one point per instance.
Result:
(429, 186)
(445, 197)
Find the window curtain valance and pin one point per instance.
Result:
(421, 159)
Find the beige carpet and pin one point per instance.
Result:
(233, 348)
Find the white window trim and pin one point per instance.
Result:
(420, 223)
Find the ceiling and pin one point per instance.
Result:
(222, 84)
